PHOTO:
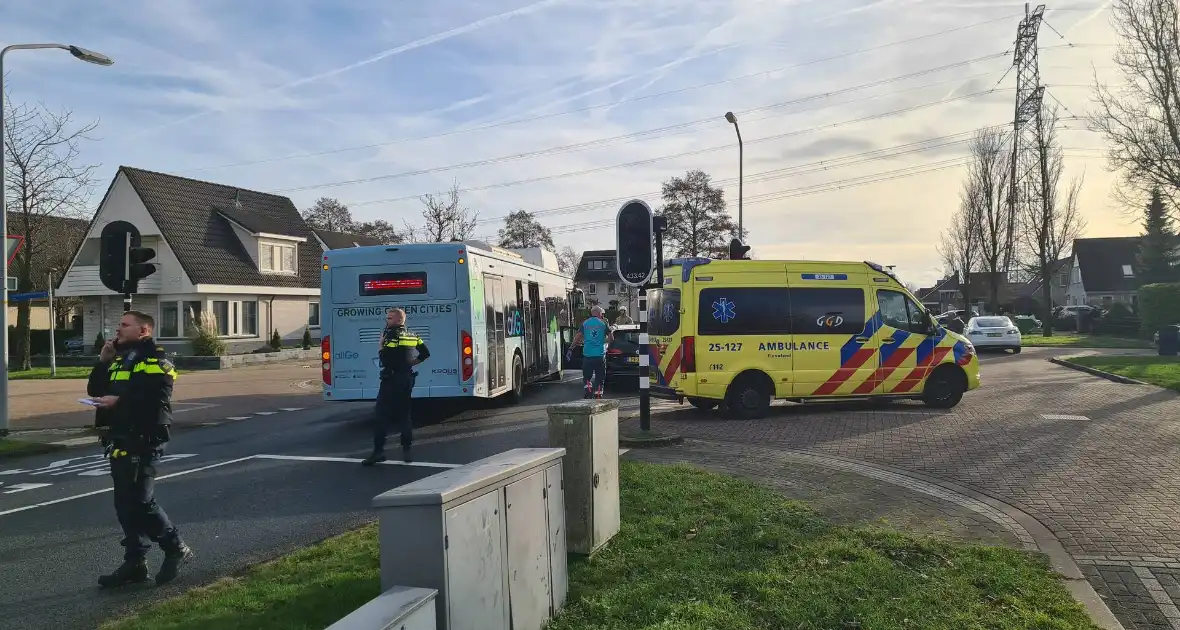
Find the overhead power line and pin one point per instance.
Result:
(662, 158)
(685, 127)
(517, 121)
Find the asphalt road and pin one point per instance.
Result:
(240, 492)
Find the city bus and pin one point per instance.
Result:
(492, 318)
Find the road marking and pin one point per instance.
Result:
(1061, 416)
(78, 441)
(21, 487)
(291, 408)
(238, 418)
(623, 451)
(103, 490)
(265, 413)
(193, 406)
(352, 460)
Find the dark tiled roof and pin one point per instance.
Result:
(340, 240)
(256, 223)
(586, 274)
(1101, 261)
(187, 212)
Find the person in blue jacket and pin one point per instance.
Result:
(594, 336)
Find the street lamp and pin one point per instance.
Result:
(733, 120)
(85, 55)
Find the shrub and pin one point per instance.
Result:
(306, 339)
(204, 338)
(1159, 305)
(276, 341)
(99, 342)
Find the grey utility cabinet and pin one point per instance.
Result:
(588, 430)
(488, 536)
(398, 608)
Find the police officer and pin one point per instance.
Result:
(400, 351)
(132, 386)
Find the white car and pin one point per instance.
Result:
(993, 331)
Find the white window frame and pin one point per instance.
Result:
(321, 316)
(1128, 272)
(277, 247)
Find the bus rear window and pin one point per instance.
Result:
(663, 311)
(408, 283)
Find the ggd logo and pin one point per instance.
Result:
(829, 321)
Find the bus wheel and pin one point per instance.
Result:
(702, 404)
(517, 378)
(944, 388)
(749, 395)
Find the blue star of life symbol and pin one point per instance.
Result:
(723, 310)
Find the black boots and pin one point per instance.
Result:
(379, 456)
(136, 571)
(170, 567)
(130, 572)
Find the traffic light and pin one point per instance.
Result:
(738, 251)
(122, 262)
(634, 236)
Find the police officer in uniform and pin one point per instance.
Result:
(132, 385)
(400, 351)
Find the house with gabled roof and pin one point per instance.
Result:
(1105, 271)
(245, 258)
(598, 278)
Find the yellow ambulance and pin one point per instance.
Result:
(741, 333)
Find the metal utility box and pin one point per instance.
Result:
(588, 430)
(399, 608)
(488, 536)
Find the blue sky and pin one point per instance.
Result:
(245, 93)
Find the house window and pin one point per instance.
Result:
(313, 314)
(170, 319)
(250, 318)
(1127, 273)
(221, 314)
(593, 288)
(276, 258)
(1061, 279)
(192, 316)
(610, 289)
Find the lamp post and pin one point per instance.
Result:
(85, 55)
(733, 119)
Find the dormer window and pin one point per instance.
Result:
(276, 257)
(1127, 273)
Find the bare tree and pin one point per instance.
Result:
(47, 182)
(1048, 222)
(959, 247)
(327, 213)
(444, 218)
(522, 229)
(1141, 117)
(986, 190)
(568, 259)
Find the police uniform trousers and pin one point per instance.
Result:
(142, 519)
(393, 408)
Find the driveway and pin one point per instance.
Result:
(1097, 463)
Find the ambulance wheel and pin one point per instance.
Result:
(517, 378)
(749, 395)
(944, 388)
(702, 404)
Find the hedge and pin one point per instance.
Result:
(1159, 305)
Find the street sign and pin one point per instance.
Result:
(634, 241)
(13, 243)
(22, 297)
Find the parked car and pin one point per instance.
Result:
(993, 332)
(75, 345)
(622, 357)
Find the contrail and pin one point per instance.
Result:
(418, 43)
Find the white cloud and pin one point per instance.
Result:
(208, 83)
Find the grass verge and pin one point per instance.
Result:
(1157, 370)
(697, 550)
(16, 448)
(40, 373)
(1035, 340)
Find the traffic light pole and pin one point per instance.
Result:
(127, 275)
(658, 224)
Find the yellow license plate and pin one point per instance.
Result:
(632, 359)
